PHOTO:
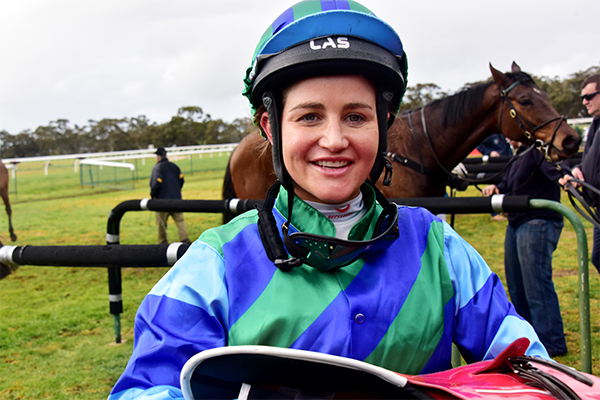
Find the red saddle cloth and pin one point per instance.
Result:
(510, 375)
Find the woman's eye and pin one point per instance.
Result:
(309, 117)
(355, 118)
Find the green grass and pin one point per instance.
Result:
(56, 334)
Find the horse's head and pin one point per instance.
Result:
(526, 114)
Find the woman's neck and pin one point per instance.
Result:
(344, 216)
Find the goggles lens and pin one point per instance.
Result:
(326, 253)
(589, 96)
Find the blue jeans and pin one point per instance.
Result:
(528, 264)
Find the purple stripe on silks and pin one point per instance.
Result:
(329, 333)
(286, 18)
(336, 332)
(371, 294)
(327, 5)
(378, 300)
(245, 283)
(441, 359)
(167, 333)
(482, 317)
(371, 289)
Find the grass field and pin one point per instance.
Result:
(56, 334)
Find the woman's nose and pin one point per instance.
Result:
(333, 138)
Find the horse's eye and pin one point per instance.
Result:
(525, 102)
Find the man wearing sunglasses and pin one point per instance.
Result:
(589, 169)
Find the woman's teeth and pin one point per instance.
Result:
(332, 164)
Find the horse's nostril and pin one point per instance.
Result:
(571, 143)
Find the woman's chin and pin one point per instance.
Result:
(328, 196)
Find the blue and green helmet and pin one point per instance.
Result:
(313, 19)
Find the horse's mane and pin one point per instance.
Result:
(462, 104)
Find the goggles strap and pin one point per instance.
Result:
(269, 234)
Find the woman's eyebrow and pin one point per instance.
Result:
(357, 105)
(320, 106)
(308, 104)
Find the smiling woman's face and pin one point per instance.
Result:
(329, 136)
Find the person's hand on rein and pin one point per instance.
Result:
(577, 174)
(489, 190)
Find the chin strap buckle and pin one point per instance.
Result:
(388, 170)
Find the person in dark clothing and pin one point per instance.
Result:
(495, 145)
(589, 169)
(531, 238)
(166, 182)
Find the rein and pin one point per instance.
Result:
(419, 167)
(412, 131)
(430, 172)
(415, 166)
(475, 181)
(589, 214)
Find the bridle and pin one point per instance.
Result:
(528, 128)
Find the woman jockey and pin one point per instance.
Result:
(327, 264)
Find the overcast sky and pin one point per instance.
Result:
(89, 60)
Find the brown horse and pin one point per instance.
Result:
(428, 142)
(4, 194)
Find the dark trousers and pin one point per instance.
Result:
(528, 265)
(596, 249)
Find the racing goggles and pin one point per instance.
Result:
(327, 253)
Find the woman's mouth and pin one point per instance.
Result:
(332, 164)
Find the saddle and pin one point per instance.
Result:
(263, 372)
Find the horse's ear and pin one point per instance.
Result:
(515, 67)
(499, 77)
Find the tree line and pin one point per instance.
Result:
(191, 126)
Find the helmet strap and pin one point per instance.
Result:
(272, 107)
(269, 234)
(271, 104)
(267, 228)
(384, 96)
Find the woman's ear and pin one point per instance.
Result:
(266, 126)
